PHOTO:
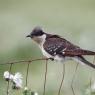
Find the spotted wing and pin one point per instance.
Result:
(57, 45)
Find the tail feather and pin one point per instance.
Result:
(87, 52)
(78, 52)
(82, 59)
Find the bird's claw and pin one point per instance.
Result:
(52, 59)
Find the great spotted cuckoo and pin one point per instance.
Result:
(57, 48)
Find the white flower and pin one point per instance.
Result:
(26, 88)
(35, 93)
(93, 87)
(8, 76)
(90, 89)
(17, 80)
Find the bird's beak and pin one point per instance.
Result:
(28, 36)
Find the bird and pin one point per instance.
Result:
(58, 48)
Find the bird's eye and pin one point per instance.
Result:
(40, 32)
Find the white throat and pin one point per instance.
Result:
(43, 39)
(40, 39)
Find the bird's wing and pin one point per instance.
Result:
(57, 45)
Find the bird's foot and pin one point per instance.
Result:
(52, 59)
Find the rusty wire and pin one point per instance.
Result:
(91, 76)
(74, 78)
(27, 72)
(63, 74)
(46, 68)
(25, 61)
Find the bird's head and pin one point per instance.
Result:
(37, 35)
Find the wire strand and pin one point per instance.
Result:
(63, 74)
(25, 61)
(27, 72)
(73, 79)
(91, 76)
(46, 67)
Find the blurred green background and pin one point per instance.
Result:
(72, 19)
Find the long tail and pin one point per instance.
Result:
(82, 59)
(87, 52)
(79, 52)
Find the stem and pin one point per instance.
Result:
(9, 80)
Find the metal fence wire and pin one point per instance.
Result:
(28, 62)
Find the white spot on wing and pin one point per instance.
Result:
(64, 49)
(63, 52)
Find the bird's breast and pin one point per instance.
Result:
(45, 53)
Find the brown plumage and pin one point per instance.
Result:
(58, 48)
(55, 45)
(69, 49)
